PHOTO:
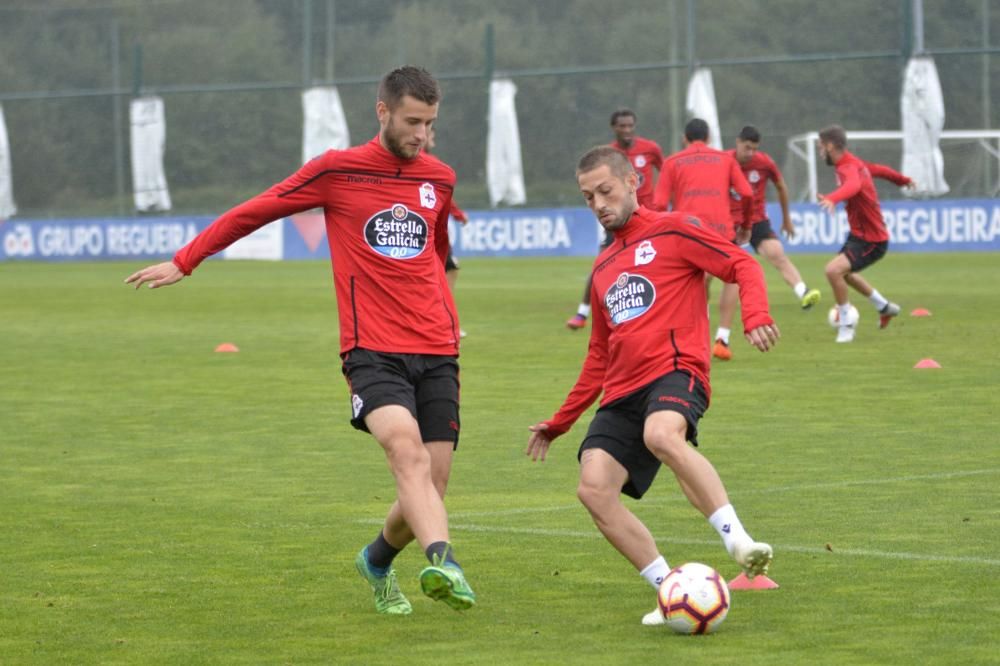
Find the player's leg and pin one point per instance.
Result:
(871, 253)
(837, 270)
(579, 320)
(613, 460)
(729, 298)
(599, 490)
(675, 404)
(773, 251)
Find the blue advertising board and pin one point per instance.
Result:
(915, 226)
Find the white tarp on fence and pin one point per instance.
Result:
(504, 171)
(7, 206)
(701, 104)
(148, 134)
(922, 109)
(324, 125)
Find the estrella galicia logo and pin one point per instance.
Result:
(629, 297)
(398, 233)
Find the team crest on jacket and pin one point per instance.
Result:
(629, 297)
(645, 253)
(753, 176)
(640, 161)
(427, 197)
(398, 233)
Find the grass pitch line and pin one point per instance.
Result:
(805, 550)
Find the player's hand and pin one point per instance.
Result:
(464, 219)
(911, 186)
(742, 235)
(788, 228)
(763, 337)
(538, 443)
(157, 275)
(827, 205)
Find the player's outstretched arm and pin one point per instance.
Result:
(538, 443)
(157, 275)
(763, 337)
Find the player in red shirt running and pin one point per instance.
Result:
(868, 240)
(758, 167)
(386, 206)
(649, 356)
(645, 155)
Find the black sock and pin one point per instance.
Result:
(381, 553)
(440, 551)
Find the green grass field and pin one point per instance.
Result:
(164, 504)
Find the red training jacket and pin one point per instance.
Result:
(864, 213)
(699, 180)
(758, 170)
(386, 223)
(645, 155)
(648, 300)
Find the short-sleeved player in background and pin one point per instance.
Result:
(868, 240)
(649, 356)
(451, 263)
(386, 208)
(645, 156)
(759, 168)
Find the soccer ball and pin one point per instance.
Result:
(694, 599)
(833, 316)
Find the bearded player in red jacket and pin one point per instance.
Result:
(649, 356)
(386, 206)
(868, 240)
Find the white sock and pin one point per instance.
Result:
(799, 289)
(656, 571)
(722, 334)
(583, 310)
(845, 313)
(729, 527)
(878, 300)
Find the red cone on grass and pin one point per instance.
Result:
(759, 582)
(920, 312)
(227, 347)
(927, 364)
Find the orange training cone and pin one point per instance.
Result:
(920, 312)
(227, 347)
(927, 363)
(741, 582)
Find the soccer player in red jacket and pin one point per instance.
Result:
(868, 240)
(759, 168)
(386, 206)
(649, 356)
(645, 156)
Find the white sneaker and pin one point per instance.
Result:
(754, 557)
(845, 334)
(653, 618)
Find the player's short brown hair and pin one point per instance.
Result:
(834, 134)
(416, 82)
(599, 156)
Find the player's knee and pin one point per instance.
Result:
(667, 445)
(596, 497)
(407, 457)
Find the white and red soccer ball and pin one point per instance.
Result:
(833, 316)
(694, 599)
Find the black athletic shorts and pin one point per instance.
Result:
(861, 253)
(426, 385)
(760, 232)
(451, 264)
(617, 427)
